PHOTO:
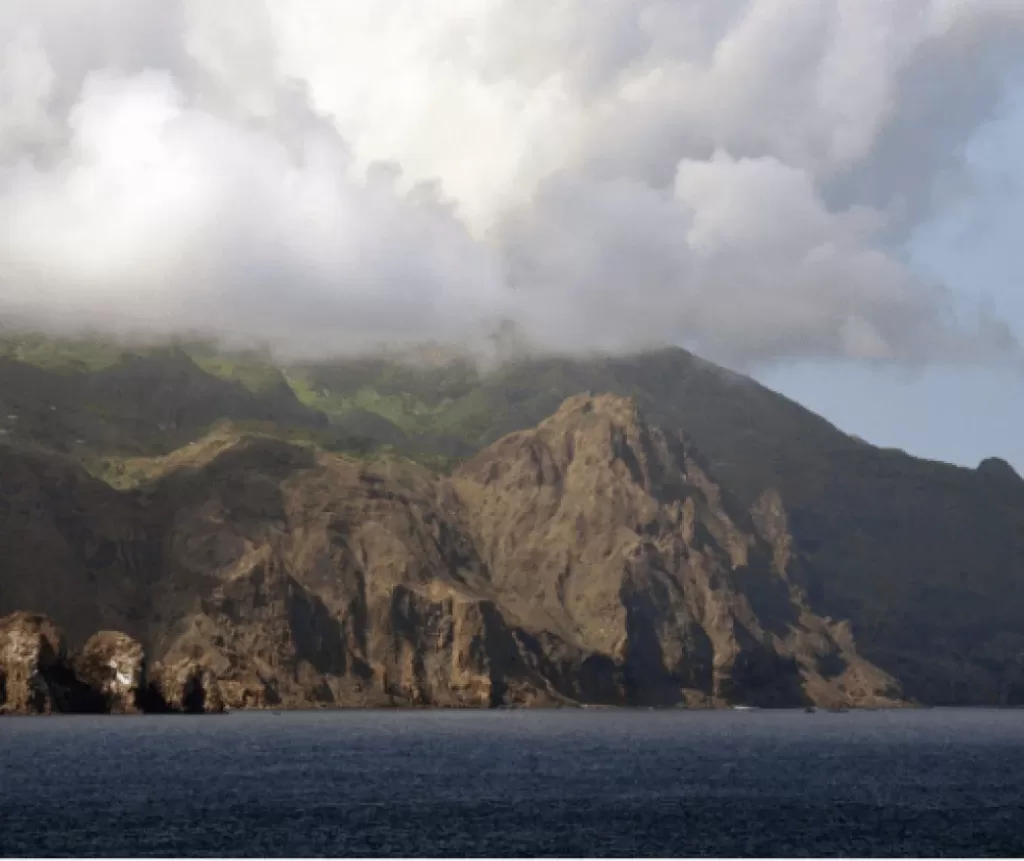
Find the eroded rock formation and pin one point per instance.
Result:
(113, 666)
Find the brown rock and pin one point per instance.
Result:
(189, 687)
(113, 665)
(611, 533)
(35, 676)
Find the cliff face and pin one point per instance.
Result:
(925, 559)
(610, 532)
(293, 577)
(591, 560)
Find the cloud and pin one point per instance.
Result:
(168, 218)
(738, 175)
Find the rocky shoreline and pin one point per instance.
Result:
(108, 675)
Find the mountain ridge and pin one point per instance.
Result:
(924, 560)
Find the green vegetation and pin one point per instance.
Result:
(254, 373)
(401, 409)
(436, 408)
(79, 355)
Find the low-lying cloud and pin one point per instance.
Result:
(737, 175)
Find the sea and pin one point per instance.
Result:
(567, 782)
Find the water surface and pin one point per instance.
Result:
(570, 782)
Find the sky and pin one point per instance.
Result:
(821, 193)
(959, 414)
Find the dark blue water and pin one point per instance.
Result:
(942, 782)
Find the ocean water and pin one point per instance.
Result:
(506, 783)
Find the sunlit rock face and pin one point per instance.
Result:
(113, 665)
(38, 675)
(33, 657)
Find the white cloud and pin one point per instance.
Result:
(164, 217)
(606, 173)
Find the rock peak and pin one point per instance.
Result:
(616, 408)
(996, 467)
(609, 531)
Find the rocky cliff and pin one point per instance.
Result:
(612, 533)
(111, 456)
(593, 559)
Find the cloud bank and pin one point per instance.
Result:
(326, 175)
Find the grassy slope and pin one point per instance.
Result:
(108, 405)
